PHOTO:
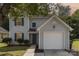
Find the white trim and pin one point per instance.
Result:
(68, 41)
(58, 19)
(45, 23)
(28, 23)
(64, 23)
(39, 40)
(32, 24)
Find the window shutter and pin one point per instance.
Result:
(15, 36)
(15, 22)
(23, 36)
(22, 21)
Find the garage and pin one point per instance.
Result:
(53, 40)
(54, 34)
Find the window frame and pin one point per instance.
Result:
(33, 24)
(22, 20)
(22, 37)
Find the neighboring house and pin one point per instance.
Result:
(3, 33)
(48, 32)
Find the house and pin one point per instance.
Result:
(48, 32)
(3, 33)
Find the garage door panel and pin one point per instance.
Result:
(53, 40)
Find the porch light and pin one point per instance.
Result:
(54, 25)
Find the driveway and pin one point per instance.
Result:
(53, 53)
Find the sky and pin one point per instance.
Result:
(73, 6)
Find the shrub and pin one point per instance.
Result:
(7, 40)
(75, 39)
(6, 54)
(27, 42)
(20, 41)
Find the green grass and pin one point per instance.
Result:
(12, 50)
(3, 45)
(75, 45)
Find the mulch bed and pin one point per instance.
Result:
(38, 50)
(75, 53)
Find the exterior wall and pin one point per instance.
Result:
(38, 21)
(59, 28)
(23, 29)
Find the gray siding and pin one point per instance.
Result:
(59, 28)
(38, 21)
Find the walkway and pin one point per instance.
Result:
(30, 51)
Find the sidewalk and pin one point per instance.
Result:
(30, 51)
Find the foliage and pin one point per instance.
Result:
(16, 10)
(6, 54)
(29, 9)
(7, 40)
(75, 45)
(63, 10)
(59, 9)
(8, 10)
(27, 42)
(32, 9)
(20, 41)
(5, 24)
(74, 23)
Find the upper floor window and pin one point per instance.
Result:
(19, 21)
(33, 24)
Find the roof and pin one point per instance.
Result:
(3, 30)
(40, 17)
(57, 19)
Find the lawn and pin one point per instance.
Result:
(12, 50)
(75, 45)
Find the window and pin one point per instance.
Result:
(33, 24)
(19, 36)
(19, 21)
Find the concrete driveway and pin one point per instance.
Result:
(54, 53)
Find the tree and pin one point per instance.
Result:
(59, 9)
(30, 9)
(63, 10)
(4, 10)
(75, 23)
(19, 9)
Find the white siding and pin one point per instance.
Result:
(59, 28)
(24, 29)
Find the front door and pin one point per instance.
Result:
(34, 37)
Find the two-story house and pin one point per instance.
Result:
(49, 32)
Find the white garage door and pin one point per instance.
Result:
(53, 40)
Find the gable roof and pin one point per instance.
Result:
(3, 30)
(57, 19)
